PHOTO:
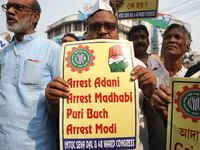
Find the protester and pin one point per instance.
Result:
(176, 42)
(68, 38)
(103, 24)
(27, 65)
(140, 37)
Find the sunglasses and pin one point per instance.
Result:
(17, 7)
(95, 27)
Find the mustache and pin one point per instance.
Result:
(139, 45)
(11, 17)
(170, 45)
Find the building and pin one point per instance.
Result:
(76, 24)
(196, 57)
(71, 24)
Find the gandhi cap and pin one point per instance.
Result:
(101, 5)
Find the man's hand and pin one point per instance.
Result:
(146, 80)
(55, 89)
(117, 60)
(115, 4)
(160, 101)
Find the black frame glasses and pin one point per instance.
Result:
(17, 7)
(108, 26)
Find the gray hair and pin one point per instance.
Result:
(187, 33)
(36, 7)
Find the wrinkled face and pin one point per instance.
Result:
(19, 21)
(103, 25)
(67, 39)
(140, 42)
(175, 43)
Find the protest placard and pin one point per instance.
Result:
(102, 109)
(184, 114)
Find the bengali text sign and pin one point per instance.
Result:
(138, 9)
(184, 114)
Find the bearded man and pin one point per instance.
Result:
(27, 65)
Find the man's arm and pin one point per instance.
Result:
(147, 82)
(160, 101)
(115, 4)
(55, 89)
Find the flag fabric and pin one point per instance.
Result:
(164, 20)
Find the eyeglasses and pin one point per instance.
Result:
(17, 7)
(95, 27)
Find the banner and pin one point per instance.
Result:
(184, 114)
(138, 9)
(102, 109)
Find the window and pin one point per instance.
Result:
(77, 26)
(68, 28)
(50, 34)
(58, 31)
(85, 27)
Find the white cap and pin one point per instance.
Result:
(100, 5)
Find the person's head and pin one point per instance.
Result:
(84, 36)
(22, 15)
(68, 38)
(102, 25)
(139, 35)
(176, 41)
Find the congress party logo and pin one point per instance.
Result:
(188, 102)
(80, 58)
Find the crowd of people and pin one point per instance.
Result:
(31, 86)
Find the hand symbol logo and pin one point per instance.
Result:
(117, 60)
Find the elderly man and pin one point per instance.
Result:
(102, 24)
(176, 42)
(27, 65)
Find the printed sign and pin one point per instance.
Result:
(102, 109)
(138, 9)
(184, 114)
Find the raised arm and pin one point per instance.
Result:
(115, 4)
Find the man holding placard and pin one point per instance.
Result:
(102, 24)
